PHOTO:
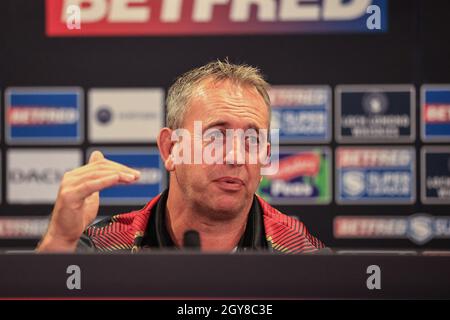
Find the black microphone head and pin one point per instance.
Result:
(191, 239)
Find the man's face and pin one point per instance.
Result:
(224, 189)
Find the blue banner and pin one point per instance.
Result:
(44, 115)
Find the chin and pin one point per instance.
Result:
(229, 204)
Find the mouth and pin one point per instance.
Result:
(230, 183)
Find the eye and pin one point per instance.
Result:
(252, 140)
(213, 134)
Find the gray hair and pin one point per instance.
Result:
(184, 86)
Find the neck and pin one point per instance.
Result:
(215, 235)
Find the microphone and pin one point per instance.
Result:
(191, 240)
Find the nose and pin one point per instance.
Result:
(235, 151)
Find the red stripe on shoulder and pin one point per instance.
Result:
(285, 233)
(119, 231)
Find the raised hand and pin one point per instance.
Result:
(77, 202)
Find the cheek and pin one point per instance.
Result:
(254, 175)
(194, 174)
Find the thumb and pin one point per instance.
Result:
(96, 156)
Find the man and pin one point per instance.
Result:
(217, 200)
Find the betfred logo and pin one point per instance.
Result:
(419, 228)
(32, 116)
(302, 113)
(177, 17)
(13, 227)
(373, 157)
(435, 112)
(375, 175)
(44, 115)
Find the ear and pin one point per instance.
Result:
(165, 145)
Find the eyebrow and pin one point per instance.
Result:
(221, 123)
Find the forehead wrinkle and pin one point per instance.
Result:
(231, 99)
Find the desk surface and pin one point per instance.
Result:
(242, 275)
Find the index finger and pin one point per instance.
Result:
(105, 164)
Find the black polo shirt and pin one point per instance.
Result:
(157, 235)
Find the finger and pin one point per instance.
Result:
(104, 165)
(119, 166)
(87, 188)
(96, 156)
(97, 174)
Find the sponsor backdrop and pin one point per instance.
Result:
(361, 95)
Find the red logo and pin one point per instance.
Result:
(437, 113)
(304, 164)
(182, 17)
